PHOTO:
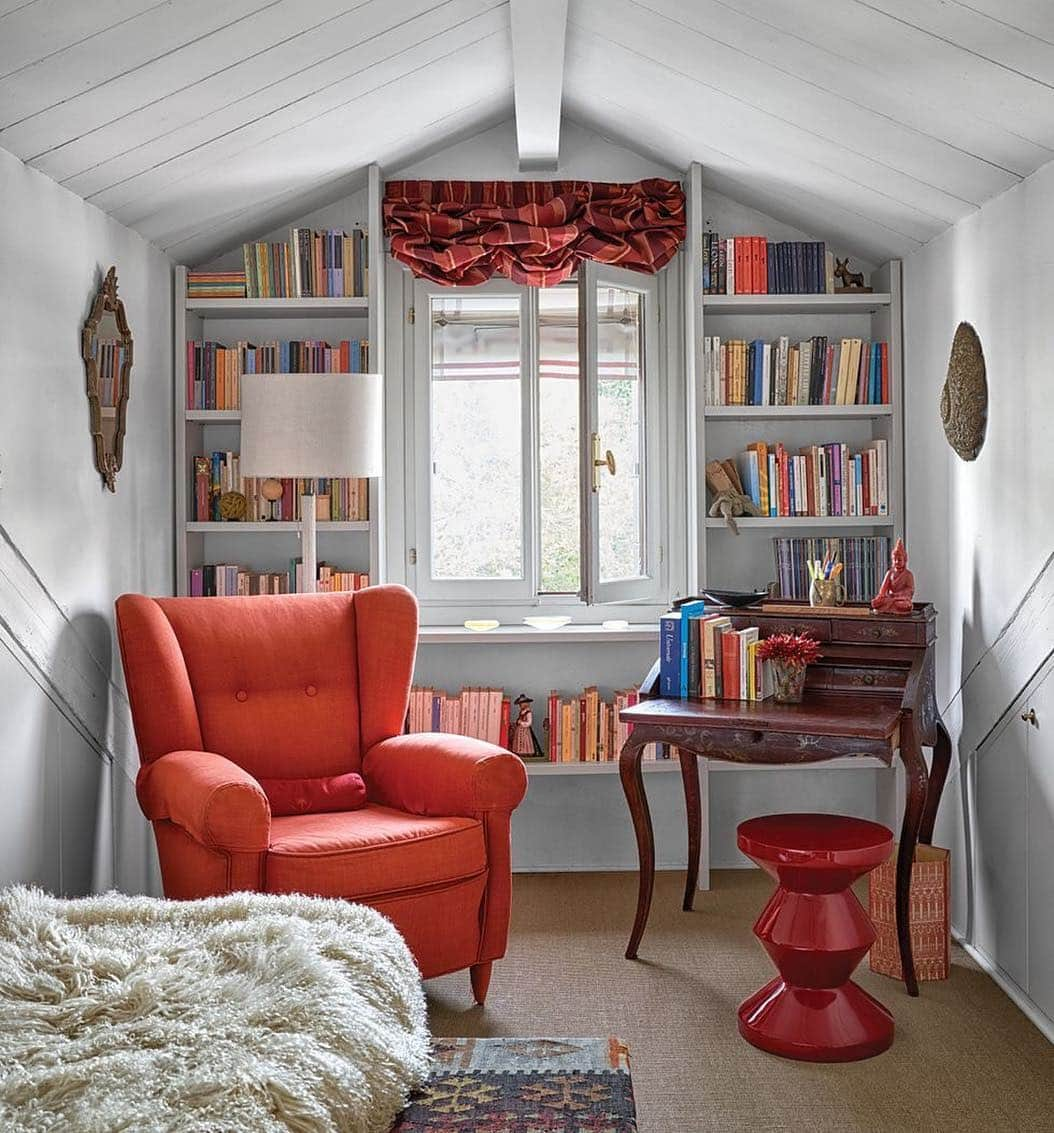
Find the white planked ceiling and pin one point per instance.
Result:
(199, 123)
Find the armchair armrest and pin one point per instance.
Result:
(214, 800)
(444, 775)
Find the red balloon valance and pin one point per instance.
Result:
(534, 232)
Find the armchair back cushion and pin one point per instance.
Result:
(280, 687)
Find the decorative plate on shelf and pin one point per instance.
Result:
(557, 621)
(735, 598)
(481, 625)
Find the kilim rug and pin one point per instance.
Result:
(524, 1086)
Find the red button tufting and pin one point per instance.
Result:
(241, 694)
(311, 690)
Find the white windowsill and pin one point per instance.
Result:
(526, 635)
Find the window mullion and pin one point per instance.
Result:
(529, 389)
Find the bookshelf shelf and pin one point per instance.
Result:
(351, 307)
(797, 412)
(803, 521)
(852, 304)
(273, 528)
(353, 546)
(525, 635)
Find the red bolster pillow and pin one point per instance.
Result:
(315, 796)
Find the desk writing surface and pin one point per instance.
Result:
(820, 713)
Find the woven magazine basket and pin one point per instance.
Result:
(930, 927)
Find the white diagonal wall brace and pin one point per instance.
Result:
(539, 28)
(43, 639)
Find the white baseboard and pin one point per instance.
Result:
(1043, 1023)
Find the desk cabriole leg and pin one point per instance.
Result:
(942, 757)
(694, 810)
(633, 785)
(915, 768)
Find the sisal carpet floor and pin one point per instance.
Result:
(964, 1059)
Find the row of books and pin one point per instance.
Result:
(220, 580)
(587, 729)
(337, 500)
(214, 371)
(482, 713)
(215, 285)
(110, 363)
(328, 263)
(752, 265)
(815, 371)
(702, 655)
(820, 480)
(865, 559)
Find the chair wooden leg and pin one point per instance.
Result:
(480, 975)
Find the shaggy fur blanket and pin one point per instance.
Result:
(242, 1013)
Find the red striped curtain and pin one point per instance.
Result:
(535, 232)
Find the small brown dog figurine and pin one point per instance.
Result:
(898, 587)
(851, 280)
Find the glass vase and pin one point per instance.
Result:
(788, 679)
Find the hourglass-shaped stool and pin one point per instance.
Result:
(816, 932)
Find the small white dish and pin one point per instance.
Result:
(553, 622)
(481, 625)
(615, 624)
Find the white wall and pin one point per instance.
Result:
(68, 818)
(978, 533)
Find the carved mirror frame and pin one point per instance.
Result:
(107, 421)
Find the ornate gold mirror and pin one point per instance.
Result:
(106, 347)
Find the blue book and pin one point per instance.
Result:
(670, 653)
(758, 377)
(688, 611)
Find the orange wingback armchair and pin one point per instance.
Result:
(227, 693)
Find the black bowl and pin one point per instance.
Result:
(735, 598)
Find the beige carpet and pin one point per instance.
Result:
(964, 1057)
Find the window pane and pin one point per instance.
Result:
(620, 421)
(558, 394)
(477, 465)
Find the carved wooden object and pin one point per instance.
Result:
(106, 347)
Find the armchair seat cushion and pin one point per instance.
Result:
(372, 852)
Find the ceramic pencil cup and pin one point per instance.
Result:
(826, 592)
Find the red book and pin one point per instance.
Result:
(582, 729)
(345, 356)
(784, 477)
(742, 283)
(865, 466)
(730, 666)
(762, 277)
(503, 733)
(287, 499)
(885, 373)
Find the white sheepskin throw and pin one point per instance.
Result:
(243, 1013)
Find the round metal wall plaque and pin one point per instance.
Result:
(964, 395)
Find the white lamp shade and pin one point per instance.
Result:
(312, 425)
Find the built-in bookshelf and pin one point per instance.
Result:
(266, 546)
(725, 431)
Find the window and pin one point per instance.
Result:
(536, 442)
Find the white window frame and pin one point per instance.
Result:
(447, 600)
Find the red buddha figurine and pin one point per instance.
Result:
(898, 587)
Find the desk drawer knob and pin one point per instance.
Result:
(876, 633)
(868, 678)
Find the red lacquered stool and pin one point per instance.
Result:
(816, 932)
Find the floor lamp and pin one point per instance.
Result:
(308, 426)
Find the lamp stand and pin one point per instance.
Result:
(308, 544)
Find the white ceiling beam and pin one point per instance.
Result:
(539, 28)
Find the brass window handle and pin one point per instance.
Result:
(606, 461)
(1030, 717)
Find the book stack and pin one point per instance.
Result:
(312, 264)
(110, 363)
(219, 580)
(336, 499)
(818, 480)
(815, 371)
(482, 713)
(215, 285)
(865, 559)
(587, 729)
(702, 655)
(752, 265)
(214, 371)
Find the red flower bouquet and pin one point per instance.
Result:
(790, 654)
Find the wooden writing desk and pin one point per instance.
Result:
(870, 694)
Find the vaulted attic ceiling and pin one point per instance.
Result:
(198, 122)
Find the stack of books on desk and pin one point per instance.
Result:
(702, 655)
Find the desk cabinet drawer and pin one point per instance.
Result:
(818, 628)
(861, 630)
